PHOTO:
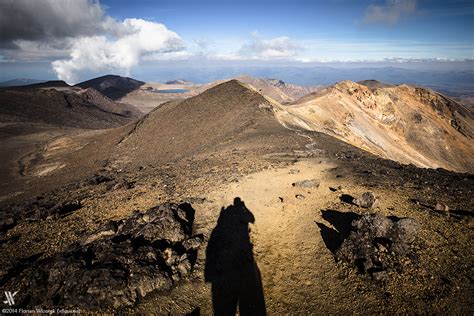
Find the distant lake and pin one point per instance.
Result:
(171, 91)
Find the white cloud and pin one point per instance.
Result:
(202, 43)
(390, 12)
(174, 55)
(77, 35)
(139, 38)
(275, 48)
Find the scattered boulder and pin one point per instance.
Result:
(417, 118)
(36, 211)
(61, 209)
(7, 223)
(116, 265)
(294, 171)
(440, 206)
(120, 184)
(313, 183)
(378, 244)
(98, 179)
(366, 200)
(300, 196)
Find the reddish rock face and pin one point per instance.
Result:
(403, 123)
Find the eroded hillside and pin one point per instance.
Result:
(403, 123)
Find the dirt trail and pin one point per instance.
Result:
(284, 236)
(298, 272)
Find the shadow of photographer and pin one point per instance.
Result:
(230, 264)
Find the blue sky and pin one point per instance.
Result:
(125, 36)
(433, 29)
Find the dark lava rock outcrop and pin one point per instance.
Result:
(377, 244)
(115, 266)
(366, 200)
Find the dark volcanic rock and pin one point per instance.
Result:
(98, 179)
(7, 223)
(367, 200)
(61, 209)
(120, 184)
(378, 244)
(12, 215)
(116, 265)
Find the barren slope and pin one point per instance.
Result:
(217, 117)
(32, 118)
(68, 108)
(225, 118)
(403, 123)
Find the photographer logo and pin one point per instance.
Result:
(10, 298)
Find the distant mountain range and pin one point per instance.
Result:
(178, 81)
(452, 82)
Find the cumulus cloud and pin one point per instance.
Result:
(142, 38)
(51, 19)
(390, 12)
(78, 36)
(38, 50)
(276, 48)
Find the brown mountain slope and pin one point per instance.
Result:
(227, 113)
(37, 122)
(227, 119)
(67, 108)
(403, 123)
